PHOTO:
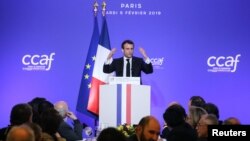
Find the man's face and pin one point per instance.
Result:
(128, 50)
(150, 132)
(201, 128)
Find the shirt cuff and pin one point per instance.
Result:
(108, 62)
(147, 61)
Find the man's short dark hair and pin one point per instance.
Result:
(212, 109)
(20, 114)
(50, 121)
(111, 134)
(197, 101)
(174, 115)
(127, 42)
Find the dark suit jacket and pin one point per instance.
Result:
(183, 132)
(138, 65)
(3, 132)
(70, 134)
(132, 138)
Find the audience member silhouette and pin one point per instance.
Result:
(50, 122)
(213, 109)
(65, 130)
(20, 113)
(177, 128)
(34, 103)
(111, 134)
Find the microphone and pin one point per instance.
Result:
(88, 131)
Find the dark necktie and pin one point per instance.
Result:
(128, 68)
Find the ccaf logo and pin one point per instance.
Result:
(222, 63)
(37, 62)
(157, 62)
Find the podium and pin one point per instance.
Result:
(123, 100)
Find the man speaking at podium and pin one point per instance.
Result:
(128, 65)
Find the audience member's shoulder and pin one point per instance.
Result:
(182, 133)
(132, 138)
(3, 132)
(46, 137)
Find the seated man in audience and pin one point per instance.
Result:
(231, 121)
(148, 129)
(20, 113)
(20, 133)
(65, 130)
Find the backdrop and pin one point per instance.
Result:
(198, 47)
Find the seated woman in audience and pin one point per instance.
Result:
(211, 108)
(194, 115)
(202, 127)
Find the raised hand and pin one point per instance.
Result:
(143, 52)
(112, 52)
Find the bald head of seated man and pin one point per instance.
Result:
(21, 133)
